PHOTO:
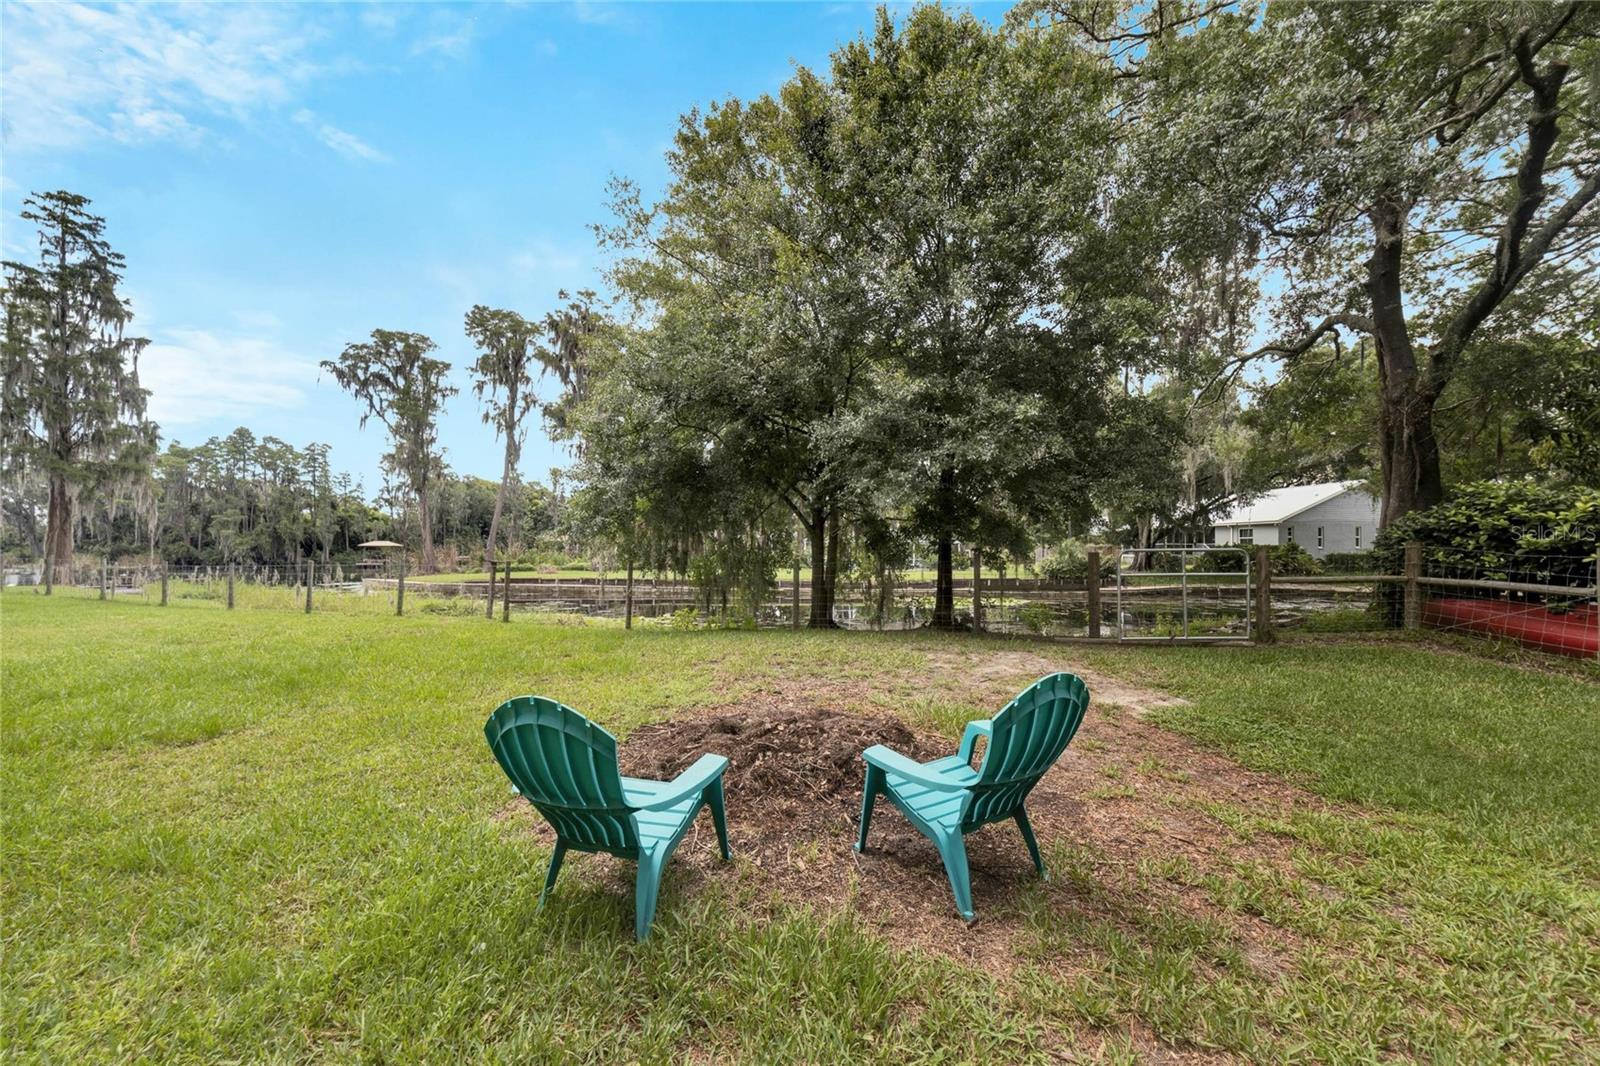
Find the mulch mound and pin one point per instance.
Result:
(792, 770)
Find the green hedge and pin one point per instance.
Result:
(1070, 562)
(1504, 531)
(1288, 560)
(1352, 563)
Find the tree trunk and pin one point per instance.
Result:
(426, 520)
(510, 430)
(944, 592)
(821, 616)
(832, 586)
(58, 532)
(494, 518)
(1411, 476)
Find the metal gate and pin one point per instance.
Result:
(1193, 562)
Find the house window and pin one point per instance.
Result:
(1247, 535)
(1319, 536)
(1358, 537)
(1288, 535)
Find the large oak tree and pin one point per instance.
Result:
(1397, 171)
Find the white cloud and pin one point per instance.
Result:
(380, 18)
(450, 38)
(341, 141)
(75, 74)
(598, 14)
(194, 375)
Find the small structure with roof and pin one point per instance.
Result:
(379, 559)
(1337, 516)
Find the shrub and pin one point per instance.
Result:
(1510, 531)
(1287, 560)
(1070, 562)
(1035, 616)
(682, 618)
(1291, 560)
(1223, 562)
(1351, 562)
(1166, 562)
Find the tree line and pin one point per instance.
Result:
(83, 466)
(241, 499)
(1102, 269)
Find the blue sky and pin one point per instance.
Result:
(284, 178)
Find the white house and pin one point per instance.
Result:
(1340, 516)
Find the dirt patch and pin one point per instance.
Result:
(1124, 818)
(792, 765)
(982, 670)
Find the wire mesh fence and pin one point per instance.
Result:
(1545, 602)
(1542, 601)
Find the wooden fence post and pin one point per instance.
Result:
(163, 586)
(400, 588)
(627, 616)
(1413, 595)
(230, 586)
(794, 621)
(311, 577)
(505, 600)
(1264, 633)
(1091, 588)
(102, 577)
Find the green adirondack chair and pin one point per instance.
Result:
(947, 799)
(567, 768)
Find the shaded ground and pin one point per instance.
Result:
(1127, 798)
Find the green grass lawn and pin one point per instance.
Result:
(261, 835)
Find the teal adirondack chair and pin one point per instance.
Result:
(567, 768)
(947, 799)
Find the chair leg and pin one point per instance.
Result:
(719, 816)
(1033, 845)
(645, 892)
(555, 868)
(869, 792)
(953, 849)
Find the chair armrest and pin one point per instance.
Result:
(691, 782)
(983, 727)
(891, 761)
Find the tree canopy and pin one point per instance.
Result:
(72, 410)
(403, 386)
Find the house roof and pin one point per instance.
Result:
(1279, 505)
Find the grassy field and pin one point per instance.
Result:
(266, 836)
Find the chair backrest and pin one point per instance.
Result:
(567, 767)
(1028, 736)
